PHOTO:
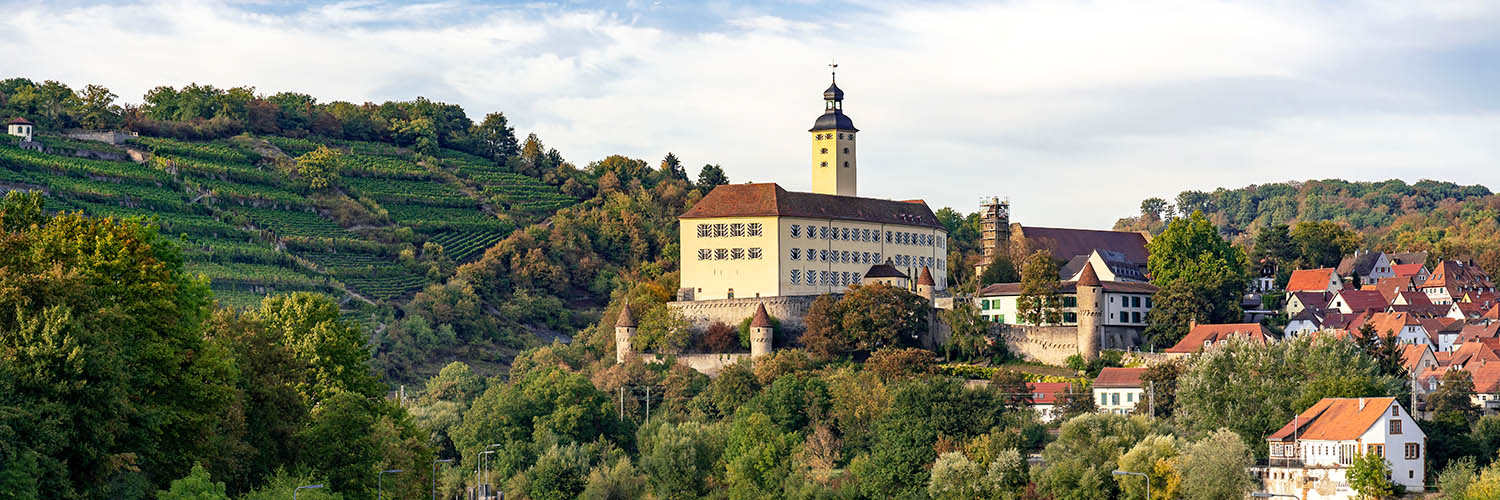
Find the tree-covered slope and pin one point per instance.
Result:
(1447, 219)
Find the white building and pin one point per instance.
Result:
(19, 127)
(1310, 455)
(1125, 303)
(1119, 390)
(1044, 398)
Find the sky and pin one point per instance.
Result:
(1073, 110)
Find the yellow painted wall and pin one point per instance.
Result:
(712, 278)
(833, 165)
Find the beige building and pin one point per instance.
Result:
(759, 240)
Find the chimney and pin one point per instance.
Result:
(1361, 403)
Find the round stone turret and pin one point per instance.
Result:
(761, 334)
(1090, 302)
(925, 284)
(624, 331)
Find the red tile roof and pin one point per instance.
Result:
(1045, 393)
(1392, 323)
(1457, 275)
(1406, 270)
(1119, 377)
(1411, 354)
(761, 319)
(1088, 277)
(1313, 300)
(1390, 287)
(18, 121)
(769, 199)
(1213, 334)
(926, 277)
(1362, 300)
(1335, 419)
(1310, 280)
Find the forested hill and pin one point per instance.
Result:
(389, 208)
(1450, 220)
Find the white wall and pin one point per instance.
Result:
(1120, 400)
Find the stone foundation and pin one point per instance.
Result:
(789, 310)
(707, 364)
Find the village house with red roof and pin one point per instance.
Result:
(1119, 390)
(1310, 455)
(1315, 280)
(1204, 337)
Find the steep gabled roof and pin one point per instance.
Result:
(1310, 280)
(1119, 377)
(1361, 263)
(1411, 354)
(1407, 258)
(1407, 270)
(1213, 334)
(1456, 275)
(1045, 393)
(1313, 300)
(1363, 300)
(1067, 243)
(769, 199)
(1336, 419)
(885, 270)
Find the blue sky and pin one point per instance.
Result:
(1075, 110)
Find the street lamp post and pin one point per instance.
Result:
(1128, 473)
(379, 481)
(434, 474)
(308, 487)
(478, 466)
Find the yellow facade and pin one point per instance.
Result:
(788, 261)
(833, 166)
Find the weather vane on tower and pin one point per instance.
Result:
(835, 69)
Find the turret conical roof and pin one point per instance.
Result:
(1088, 277)
(626, 319)
(761, 319)
(926, 277)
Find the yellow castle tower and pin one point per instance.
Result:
(833, 166)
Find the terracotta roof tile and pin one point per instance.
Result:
(761, 320)
(18, 121)
(1045, 393)
(1119, 377)
(1009, 289)
(769, 199)
(1336, 419)
(1361, 300)
(926, 277)
(1406, 270)
(1310, 280)
(1088, 277)
(1213, 334)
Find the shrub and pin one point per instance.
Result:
(720, 337)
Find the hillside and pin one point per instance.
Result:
(253, 230)
(1449, 220)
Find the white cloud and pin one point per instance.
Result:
(1076, 110)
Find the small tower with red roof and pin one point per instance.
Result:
(19, 127)
(624, 331)
(761, 334)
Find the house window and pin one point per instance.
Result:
(823, 150)
(984, 304)
(824, 280)
(846, 234)
(1070, 317)
(823, 232)
(1070, 301)
(704, 253)
(796, 253)
(1135, 317)
(721, 230)
(737, 254)
(796, 276)
(1148, 302)
(1376, 449)
(736, 229)
(704, 230)
(1395, 411)
(844, 256)
(755, 253)
(876, 257)
(1114, 399)
(1135, 302)
(731, 293)
(721, 254)
(1413, 451)
(796, 230)
(822, 164)
(855, 277)
(754, 228)
(823, 255)
(1395, 426)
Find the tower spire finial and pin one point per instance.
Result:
(835, 70)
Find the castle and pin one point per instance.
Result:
(751, 246)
